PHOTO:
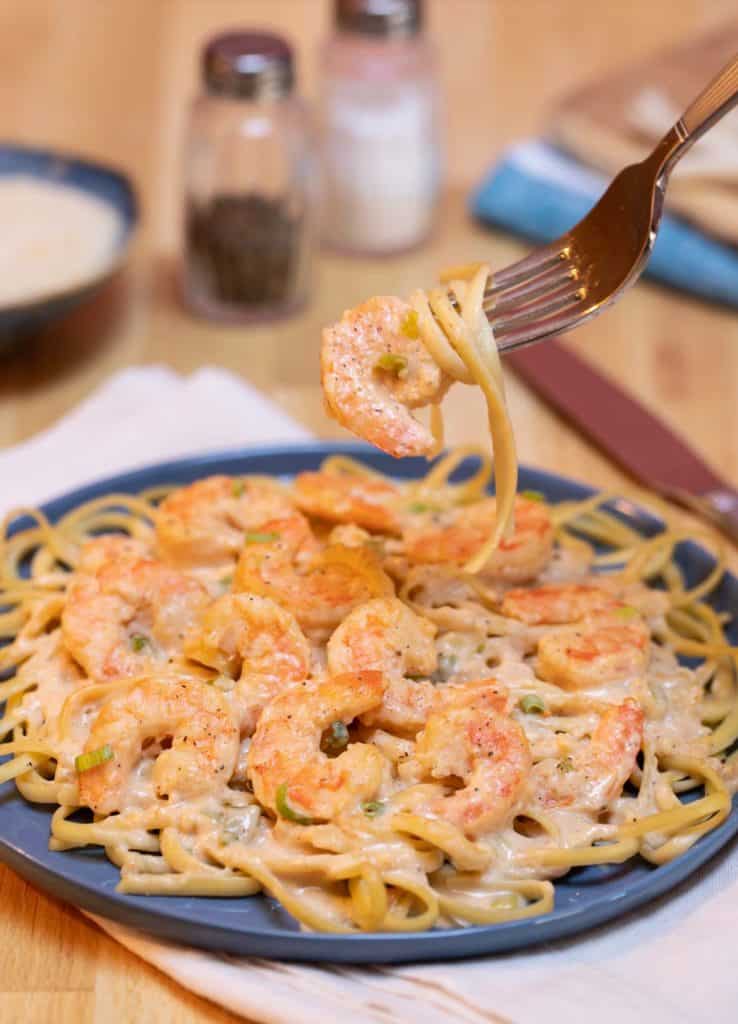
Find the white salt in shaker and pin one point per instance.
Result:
(380, 128)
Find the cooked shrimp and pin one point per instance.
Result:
(254, 640)
(204, 524)
(129, 614)
(556, 604)
(405, 707)
(596, 772)
(351, 536)
(108, 549)
(193, 715)
(593, 652)
(290, 774)
(384, 634)
(478, 693)
(373, 402)
(456, 534)
(319, 589)
(368, 501)
(472, 739)
(408, 703)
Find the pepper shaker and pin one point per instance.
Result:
(250, 183)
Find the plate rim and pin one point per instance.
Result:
(382, 947)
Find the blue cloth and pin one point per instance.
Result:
(538, 192)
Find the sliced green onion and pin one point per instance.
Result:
(533, 495)
(285, 811)
(627, 612)
(532, 704)
(418, 507)
(93, 758)
(372, 808)
(335, 739)
(237, 488)
(139, 641)
(445, 668)
(392, 362)
(226, 582)
(567, 765)
(260, 538)
(410, 326)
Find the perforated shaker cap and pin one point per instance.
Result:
(252, 65)
(380, 17)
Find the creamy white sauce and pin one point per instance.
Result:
(55, 237)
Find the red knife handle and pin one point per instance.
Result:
(626, 431)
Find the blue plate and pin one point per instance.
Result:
(257, 925)
(109, 185)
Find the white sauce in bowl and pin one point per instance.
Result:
(54, 238)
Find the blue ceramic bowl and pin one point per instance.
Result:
(109, 185)
(257, 925)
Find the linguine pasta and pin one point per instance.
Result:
(386, 358)
(461, 341)
(185, 674)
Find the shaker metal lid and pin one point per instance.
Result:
(252, 65)
(380, 17)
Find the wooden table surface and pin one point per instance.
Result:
(111, 79)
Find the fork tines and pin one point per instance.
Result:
(522, 299)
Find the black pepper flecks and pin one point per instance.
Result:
(243, 248)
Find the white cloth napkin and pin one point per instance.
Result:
(142, 415)
(674, 962)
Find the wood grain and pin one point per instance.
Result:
(112, 79)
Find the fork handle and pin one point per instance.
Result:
(713, 103)
(720, 96)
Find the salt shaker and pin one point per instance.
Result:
(250, 183)
(379, 128)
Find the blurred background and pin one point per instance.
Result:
(114, 82)
(113, 79)
(160, 212)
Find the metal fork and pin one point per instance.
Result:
(559, 286)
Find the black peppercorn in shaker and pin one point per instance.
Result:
(249, 215)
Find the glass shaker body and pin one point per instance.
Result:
(381, 142)
(250, 206)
